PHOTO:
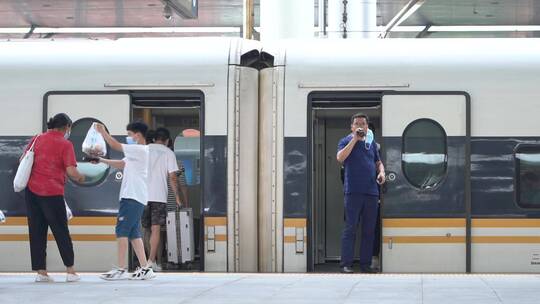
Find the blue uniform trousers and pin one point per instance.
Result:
(358, 206)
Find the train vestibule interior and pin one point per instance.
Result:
(184, 124)
(330, 124)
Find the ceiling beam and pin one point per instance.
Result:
(249, 19)
(425, 32)
(114, 30)
(30, 32)
(409, 9)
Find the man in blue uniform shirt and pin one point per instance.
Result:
(363, 170)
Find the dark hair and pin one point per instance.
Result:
(359, 115)
(170, 145)
(150, 136)
(59, 121)
(162, 134)
(137, 127)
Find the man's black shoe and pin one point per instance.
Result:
(367, 269)
(346, 270)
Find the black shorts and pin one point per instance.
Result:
(155, 213)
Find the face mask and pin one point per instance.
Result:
(369, 138)
(130, 140)
(67, 134)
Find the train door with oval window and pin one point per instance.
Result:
(425, 213)
(93, 202)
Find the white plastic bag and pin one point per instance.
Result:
(25, 169)
(2, 217)
(94, 144)
(69, 214)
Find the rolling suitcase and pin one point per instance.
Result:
(180, 241)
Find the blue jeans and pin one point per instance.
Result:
(128, 222)
(358, 206)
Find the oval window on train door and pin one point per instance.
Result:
(527, 175)
(424, 153)
(94, 173)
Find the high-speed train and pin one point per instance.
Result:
(456, 120)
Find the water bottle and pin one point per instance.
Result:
(369, 139)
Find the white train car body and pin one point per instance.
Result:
(115, 82)
(457, 206)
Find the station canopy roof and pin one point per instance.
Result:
(134, 18)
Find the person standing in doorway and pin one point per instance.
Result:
(363, 171)
(45, 205)
(163, 167)
(133, 198)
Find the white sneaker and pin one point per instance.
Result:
(72, 277)
(44, 279)
(115, 274)
(143, 274)
(155, 267)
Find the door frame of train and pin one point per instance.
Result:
(359, 98)
(333, 99)
(160, 94)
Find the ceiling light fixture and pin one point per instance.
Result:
(114, 30)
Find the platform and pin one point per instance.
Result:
(277, 288)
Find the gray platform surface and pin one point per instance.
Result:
(277, 288)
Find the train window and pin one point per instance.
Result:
(187, 150)
(94, 173)
(527, 187)
(424, 158)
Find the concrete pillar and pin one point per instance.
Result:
(361, 19)
(283, 19)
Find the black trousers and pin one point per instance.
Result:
(377, 241)
(44, 212)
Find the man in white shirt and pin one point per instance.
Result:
(133, 198)
(163, 166)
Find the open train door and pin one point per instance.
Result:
(426, 201)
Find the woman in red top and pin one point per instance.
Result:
(54, 157)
